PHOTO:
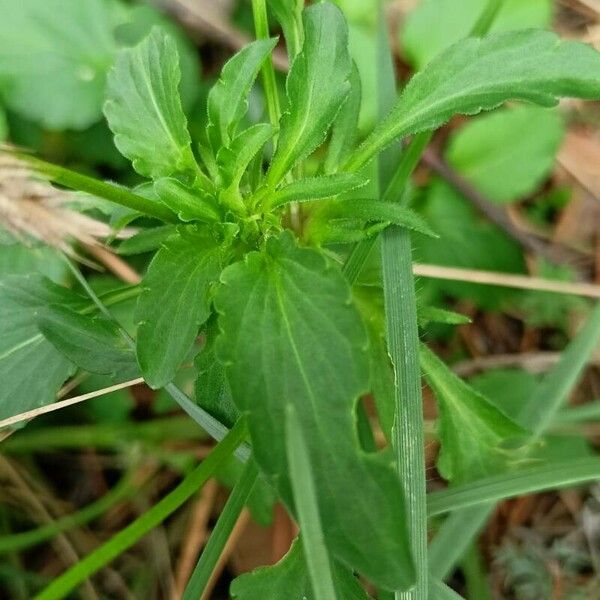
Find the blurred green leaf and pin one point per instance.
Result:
(436, 24)
(506, 155)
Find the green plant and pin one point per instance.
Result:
(255, 250)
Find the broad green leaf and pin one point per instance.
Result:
(289, 15)
(144, 111)
(356, 214)
(317, 85)
(481, 74)
(228, 99)
(507, 154)
(18, 259)
(31, 369)
(289, 579)
(467, 240)
(190, 204)
(175, 302)
(317, 188)
(54, 57)
(436, 24)
(305, 332)
(474, 434)
(345, 126)
(91, 342)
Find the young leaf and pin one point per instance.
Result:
(228, 99)
(289, 579)
(175, 302)
(480, 74)
(317, 86)
(344, 128)
(93, 343)
(306, 334)
(507, 154)
(317, 188)
(436, 24)
(31, 368)
(289, 15)
(472, 430)
(189, 204)
(144, 111)
(54, 56)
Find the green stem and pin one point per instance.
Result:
(261, 27)
(221, 532)
(126, 538)
(487, 18)
(109, 191)
(408, 435)
(27, 539)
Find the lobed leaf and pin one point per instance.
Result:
(175, 301)
(144, 110)
(287, 312)
(480, 74)
(317, 85)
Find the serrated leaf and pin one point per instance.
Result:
(305, 332)
(480, 74)
(54, 57)
(436, 24)
(317, 86)
(317, 188)
(175, 301)
(189, 204)
(32, 370)
(289, 579)
(289, 15)
(91, 342)
(506, 155)
(345, 127)
(357, 214)
(474, 434)
(144, 110)
(228, 99)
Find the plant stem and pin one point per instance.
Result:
(101, 189)
(487, 18)
(127, 537)
(261, 27)
(221, 532)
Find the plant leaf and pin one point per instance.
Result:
(306, 334)
(480, 74)
(472, 429)
(506, 155)
(317, 86)
(436, 24)
(54, 57)
(144, 111)
(289, 15)
(289, 579)
(175, 302)
(228, 99)
(31, 368)
(92, 343)
(189, 204)
(317, 188)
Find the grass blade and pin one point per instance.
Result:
(221, 532)
(127, 537)
(305, 497)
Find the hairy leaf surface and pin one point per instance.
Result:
(317, 188)
(473, 431)
(288, 313)
(480, 74)
(317, 86)
(175, 302)
(144, 110)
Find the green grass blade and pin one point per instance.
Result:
(552, 476)
(127, 537)
(305, 498)
(440, 591)
(221, 532)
